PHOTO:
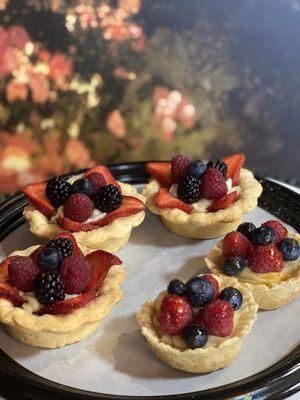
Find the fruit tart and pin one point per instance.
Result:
(265, 260)
(52, 295)
(201, 200)
(198, 326)
(100, 211)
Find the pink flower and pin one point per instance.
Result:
(61, 69)
(9, 61)
(77, 153)
(39, 86)
(3, 39)
(130, 6)
(16, 91)
(18, 37)
(116, 124)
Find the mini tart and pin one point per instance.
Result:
(207, 225)
(53, 331)
(217, 353)
(270, 290)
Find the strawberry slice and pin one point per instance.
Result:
(11, 294)
(223, 202)
(101, 169)
(164, 199)
(130, 205)
(234, 164)
(161, 171)
(4, 268)
(69, 305)
(37, 197)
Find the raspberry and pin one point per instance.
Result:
(78, 207)
(189, 189)
(76, 274)
(280, 231)
(97, 180)
(49, 287)
(216, 318)
(22, 272)
(220, 165)
(174, 314)
(236, 244)
(211, 279)
(63, 245)
(108, 198)
(180, 167)
(266, 259)
(213, 184)
(58, 190)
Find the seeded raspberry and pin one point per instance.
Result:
(216, 318)
(211, 279)
(280, 231)
(78, 207)
(22, 272)
(213, 184)
(174, 314)
(75, 273)
(180, 167)
(237, 245)
(97, 180)
(266, 259)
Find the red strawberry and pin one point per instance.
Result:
(69, 305)
(161, 171)
(280, 231)
(216, 318)
(266, 259)
(9, 293)
(35, 193)
(213, 184)
(105, 172)
(164, 199)
(130, 205)
(4, 268)
(237, 245)
(174, 314)
(223, 203)
(211, 279)
(234, 164)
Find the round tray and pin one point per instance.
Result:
(278, 380)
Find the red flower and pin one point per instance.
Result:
(39, 86)
(61, 69)
(18, 37)
(9, 61)
(16, 91)
(77, 153)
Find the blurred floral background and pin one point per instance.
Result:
(95, 81)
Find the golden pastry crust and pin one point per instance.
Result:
(217, 353)
(268, 296)
(207, 225)
(53, 331)
(110, 237)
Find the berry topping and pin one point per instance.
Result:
(234, 164)
(189, 190)
(49, 258)
(199, 291)
(108, 198)
(211, 279)
(266, 259)
(213, 184)
(22, 272)
(216, 318)
(58, 190)
(97, 180)
(176, 287)
(194, 336)
(10, 293)
(197, 168)
(236, 244)
(4, 268)
(76, 274)
(263, 236)
(161, 171)
(37, 197)
(180, 167)
(223, 203)
(63, 245)
(220, 165)
(174, 314)
(280, 231)
(164, 199)
(105, 172)
(233, 296)
(83, 185)
(233, 265)
(290, 249)
(78, 207)
(246, 228)
(49, 287)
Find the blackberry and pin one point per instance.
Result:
(49, 288)
(58, 190)
(108, 198)
(220, 165)
(63, 245)
(189, 189)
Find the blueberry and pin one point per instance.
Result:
(199, 291)
(289, 249)
(246, 228)
(49, 259)
(233, 265)
(197, 168)
(233, 296)
(82, 185)
(176, 287)
(263, 236)
(194, 336)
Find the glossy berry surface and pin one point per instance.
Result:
(211, 279)
(233, 296)
(108, 198)
(263, 236)
(174, 314)
(246, 228)
(266, 259)
(233, 265)
(236, 244)
(49, 287)
(179, 167)
(22, 272)
(199, 291)
(197, 168)
(194, 336)
(78, 207)
(176, 287)
(63, 245)
(280, 231)
(189, 189)
(58, 190)
(220, 165)
(290, 249)
(82, 185)
(76, 274)
(49, 259)
(213, 184)
(97, 180)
